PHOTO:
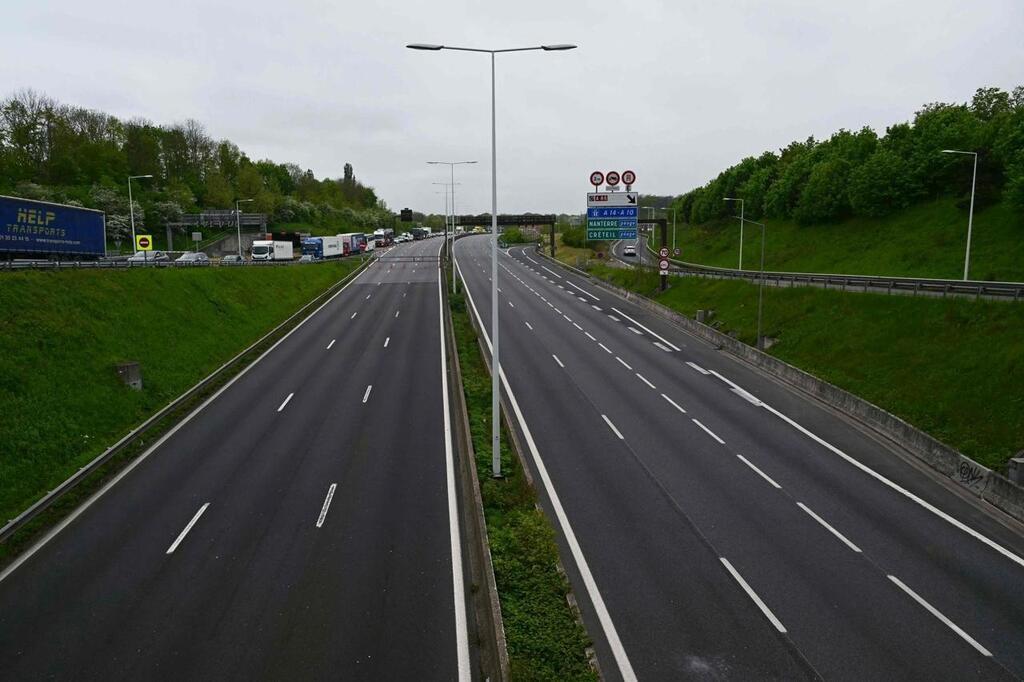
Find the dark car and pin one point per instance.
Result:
(193, 258)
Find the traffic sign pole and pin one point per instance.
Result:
(664, 256)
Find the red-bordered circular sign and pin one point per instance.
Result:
(612, 177)
(144, 242)
(596, 178)
(628, 177)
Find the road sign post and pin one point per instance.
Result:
(612, 215)
(197, 237)
(144, 243)
(664, 255)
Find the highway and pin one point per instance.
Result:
(303, 524)
(716, 524)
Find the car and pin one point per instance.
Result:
(149, 257)
(192, 258)
(232, 259)
(629, 250)
(307, 258)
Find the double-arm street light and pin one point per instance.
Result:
(970, 215)
(741, 227)
(495, 365)
(131, 204)
(238, 223)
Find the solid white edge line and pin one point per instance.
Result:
(708, 431)
(458, 585)
(938, 614)
(331, 344)
(184, 532)
(558, 361)
(569, 282)
(642, 378)
(604, 618)
(27, 554)
(327, 505)
(898, 488)
(366, 396)
(285, 402)
(832, 530)
(673, 403)
(553, 273)
(652, 333)
(753, 595)
(612, 426)
(623, 362)
(759, 472)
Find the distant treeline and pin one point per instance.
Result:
(858, 173)
(57, 152)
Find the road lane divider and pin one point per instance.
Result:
(331, 344)
(582, 289)
(558, 361)
(649, 331)
(642, 378)
(830, 529)
(285, 402)
(366, 396)
(697, 367)
(612, 426)
(938, 614)
(327, 505)
(673, 403)
(184, 532)
(387, 341)
(708, 431)
(753, 595)
(623, 363)
(759, 472)
(604, 347)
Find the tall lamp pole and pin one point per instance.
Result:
(760, 288)
(131, 204)
(741, 228)
(970, 215)
(495, 364)
(238, 223)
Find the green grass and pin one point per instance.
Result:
(62, 333)
(927, 240)
(545, 642)
(951, 367)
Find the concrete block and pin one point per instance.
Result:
(131, 374)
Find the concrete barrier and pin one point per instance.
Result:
(979, 480)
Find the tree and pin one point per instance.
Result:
(824, 197)
(880, 185)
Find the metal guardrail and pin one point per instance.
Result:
(51, 497)
(977, 288)
(125, 265)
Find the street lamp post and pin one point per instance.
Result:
(131, 204)
(495, 364)
(238, 223)
(451, 244)
(970, 215)
(760, 288)
(741, 226)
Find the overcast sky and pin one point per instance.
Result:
(675, 90)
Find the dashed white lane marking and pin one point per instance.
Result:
(354, 315)
(285, 402)
(528, 326)
(644, 379)
(663, 347)
(181, 536)
(673, 403)
(612, 426)
(649, 331)
(590, 336)
(697, 367)
(511, 304)
(635, 330)
(387, 341)
(759, 472)
(327, 505)
(935, 612)
(331, 344)
(583, 290)
(606, 348)
(366, 396)
(582, 299)
(368, 297)
(558, 361)
(577, 326)
(613, 318)
(561, 287)
(830, 529)
(397, 312)
(597, 308)
(753, 595)
(708, 431)
(623, 363)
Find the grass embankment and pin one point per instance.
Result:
(62, 334)
(927, 240)
(544, 640)
(950, 367)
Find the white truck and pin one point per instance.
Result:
(270, 250)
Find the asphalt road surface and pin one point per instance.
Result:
(715, 524)
(303, 525)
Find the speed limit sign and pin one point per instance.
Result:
(663, 252)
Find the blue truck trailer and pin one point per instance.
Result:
(35, 229)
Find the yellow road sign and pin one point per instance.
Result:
(143, 242)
